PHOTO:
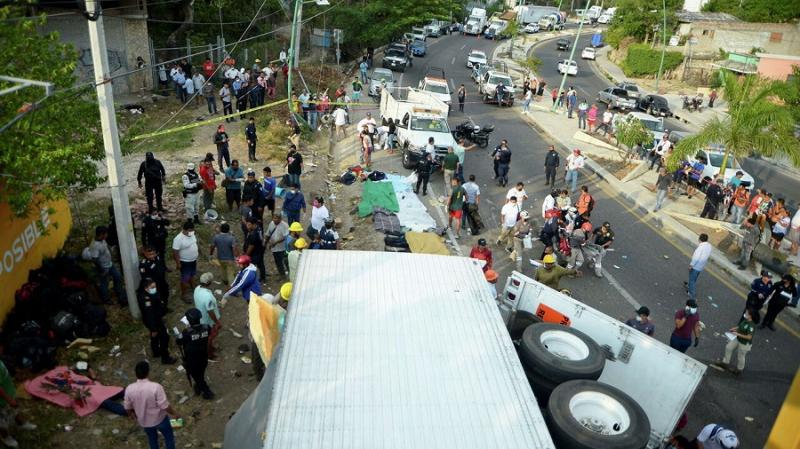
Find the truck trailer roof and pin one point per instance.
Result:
(393, 350)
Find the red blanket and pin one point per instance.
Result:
(61, 386)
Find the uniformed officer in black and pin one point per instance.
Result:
(153, 311)
(194, 345)
(328, 236)
(154, 232)
(153, 267)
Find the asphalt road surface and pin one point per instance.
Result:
(648, 266)
(588, 82)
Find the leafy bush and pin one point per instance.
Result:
(715, 80)
(643, 61)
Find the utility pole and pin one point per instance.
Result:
(298, 5)
(663, 43)
(297, 19)
(116, 172)
(572, 53)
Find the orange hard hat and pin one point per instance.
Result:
(491, 275)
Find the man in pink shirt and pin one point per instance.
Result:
(147, 402)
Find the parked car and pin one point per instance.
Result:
(632, 88)
(493, 34)
(604, 19)
(498, 66)
(476, 57)
(531, 28)
(418, 47)
(568, 66)
(395, 59)
(563, 44)
(616, 97)
(713, 156)
(380, 78)
(655, 105)
(589, 53)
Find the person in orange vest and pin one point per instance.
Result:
(585, 202)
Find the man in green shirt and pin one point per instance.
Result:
(460, 149)
(8, 408)
(449, 166)
(551, 273)
(455, 204)
(741, 342)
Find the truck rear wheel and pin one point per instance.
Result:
(560, 353)
(586, 414)
(521, 322)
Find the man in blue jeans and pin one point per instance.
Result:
(697, 265)
(293, 203)
(99, 253)
(146, 401)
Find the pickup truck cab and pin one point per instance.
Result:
(395, 59)
(568, 66)
(476, 57)
(563, 44)
(488, 87)
(631, 88)
(433, 29)
(419, 33)
(437, 87)
(616, 98)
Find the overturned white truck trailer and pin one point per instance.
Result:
(394, 350)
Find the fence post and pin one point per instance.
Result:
(211, 52)
(154, 63)
(224, 50)
(188, 48)
(246, 57)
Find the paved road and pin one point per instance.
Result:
(647, 268)
(589, 82)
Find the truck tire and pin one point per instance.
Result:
(407, 163)
(560, 353)
(521, 322)
(586, 414)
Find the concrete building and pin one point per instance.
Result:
(715, 31)
(126, 37)
(776, 67)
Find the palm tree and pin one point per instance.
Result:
(756, 123)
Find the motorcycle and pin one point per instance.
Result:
(474, 133)
(693, 103)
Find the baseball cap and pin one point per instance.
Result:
(482, 242)
(643, 311)
(251, 172)
(765, 273)
(190, 165)
(205, 278)
(691, 303)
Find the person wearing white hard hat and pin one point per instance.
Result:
(715, 436)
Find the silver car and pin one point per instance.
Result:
(616, 98)
(380, 78)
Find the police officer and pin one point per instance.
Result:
(154, 232)
(759, 292)
(329, 238)
(153, 310)
(154, 268)
(154, 179)
(193, 342)
(192, 183)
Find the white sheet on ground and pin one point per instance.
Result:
(413, 214)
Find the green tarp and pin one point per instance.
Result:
(379, 194)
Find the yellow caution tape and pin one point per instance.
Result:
(205, 122)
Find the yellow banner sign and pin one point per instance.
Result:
(25, 242)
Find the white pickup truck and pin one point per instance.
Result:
(419, 115)
(660, 380)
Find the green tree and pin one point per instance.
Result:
(530, 65)
(641, 19)
(790, 93)
(630, 132)
(756, 123)
(756, 10)
(56, 146)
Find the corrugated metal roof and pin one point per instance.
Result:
(689, 17)
(398, 351)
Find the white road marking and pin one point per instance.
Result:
(453, 61)
(624, 293)
(463, 47)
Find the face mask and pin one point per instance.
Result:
(691, 310)
(152, 291)
(191, 234)
(154, 217)
(745, 316)
(639, 318)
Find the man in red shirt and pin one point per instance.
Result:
(482, 252)
(208, 175)
(208, 68)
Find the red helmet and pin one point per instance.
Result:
(586, 226)
(243, 260)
